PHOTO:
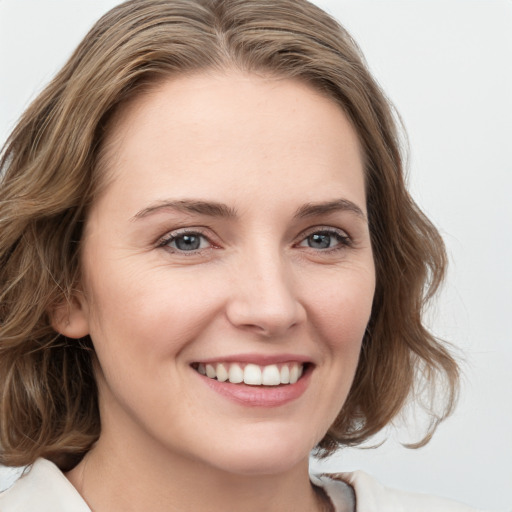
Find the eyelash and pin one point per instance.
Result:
(341, 237)
(176, 235)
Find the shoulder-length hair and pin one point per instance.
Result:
(51, 171)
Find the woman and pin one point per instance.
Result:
(210, 266)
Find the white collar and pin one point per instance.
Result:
(340, 492)
(44, 488)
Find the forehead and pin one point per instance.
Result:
(236, 129)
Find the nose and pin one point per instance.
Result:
(263, 296)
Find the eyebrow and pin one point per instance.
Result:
(210, 208)
(216, 209)
(314, 209)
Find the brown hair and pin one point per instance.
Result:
(51, 172)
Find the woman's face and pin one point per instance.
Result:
(232, 239)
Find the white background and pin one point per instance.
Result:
(447, 66)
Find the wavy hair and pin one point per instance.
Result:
(51, 170)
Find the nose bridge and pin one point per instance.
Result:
(264, 298)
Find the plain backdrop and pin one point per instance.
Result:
(447, 66)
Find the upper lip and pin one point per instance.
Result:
(259, 359)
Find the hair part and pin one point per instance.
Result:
(53, 166)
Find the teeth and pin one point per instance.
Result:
(252, 374)
(236, 374)
(271, 376)
(285, 374)
(294, 374)
(210, 371)
(222, 373)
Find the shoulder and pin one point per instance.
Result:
(372, 496)
(44, 488)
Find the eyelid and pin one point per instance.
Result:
(344, 238)
(324, 229)
(164, 240)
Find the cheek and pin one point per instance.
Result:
(339, 321)
(342, 310)
(146, 313)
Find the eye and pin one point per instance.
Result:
(189, 241)
(326, 239)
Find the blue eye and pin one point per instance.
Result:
(187, 242)
(322, 240)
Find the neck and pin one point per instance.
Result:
(145, 479)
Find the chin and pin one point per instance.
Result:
(264, 454)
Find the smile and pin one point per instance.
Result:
(252, 374)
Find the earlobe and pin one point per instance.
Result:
(71, 319)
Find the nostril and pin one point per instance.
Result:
(265, 319)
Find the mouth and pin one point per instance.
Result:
(281, 374)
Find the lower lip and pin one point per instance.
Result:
(260, 396)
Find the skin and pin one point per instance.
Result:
(265, 148)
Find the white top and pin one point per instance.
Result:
(43, 488)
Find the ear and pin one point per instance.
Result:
(71, 318)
